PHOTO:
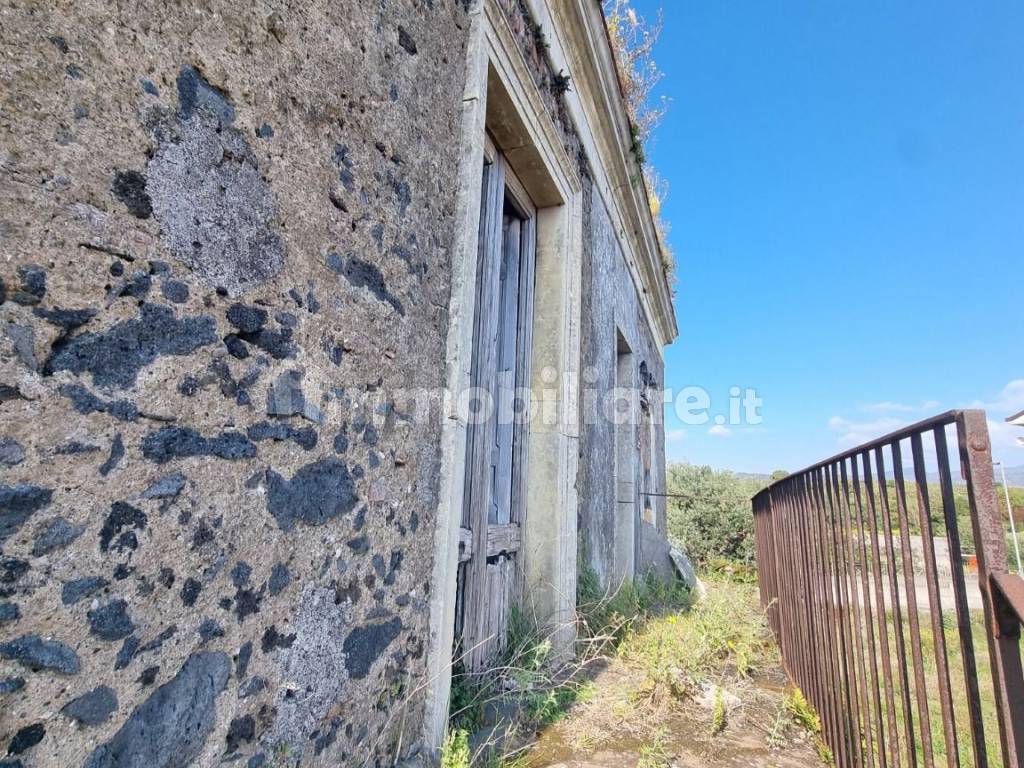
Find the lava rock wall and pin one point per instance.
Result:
(225, 233)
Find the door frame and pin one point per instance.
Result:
(499, 93)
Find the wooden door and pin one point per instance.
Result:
(496, 446)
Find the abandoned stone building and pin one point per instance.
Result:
(254, 258)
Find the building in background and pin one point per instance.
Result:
(1017, 420)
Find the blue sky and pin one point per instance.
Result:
(847, 209)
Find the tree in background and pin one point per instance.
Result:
(713, 519)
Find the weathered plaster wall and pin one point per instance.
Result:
(225, 229)
(610, 305)
(609, 300)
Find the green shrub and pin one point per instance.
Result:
(713, 519)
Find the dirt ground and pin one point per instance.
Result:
(757, 732)
(720, 718)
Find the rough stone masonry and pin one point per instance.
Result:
(225, 234)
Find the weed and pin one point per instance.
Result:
(776, 735)
(802, 712)
(633, 40)
(560, 82)
(526, 649)
(824, 753)
(468, 695)
(718, 714)
(524, 691)
(636, 144)
(547, 707)
(676, 651)
(533, 688)
(654, 754)
(607, 619)
(539, 39)
(455, 749)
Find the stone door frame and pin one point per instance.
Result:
(501, 97)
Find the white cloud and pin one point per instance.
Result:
(720, 431)
(675, 435)
(887, 406)
(1009, 401)
(856, 432)
(888, 416)
(1005, 445)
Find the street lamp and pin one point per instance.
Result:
(1013, 525)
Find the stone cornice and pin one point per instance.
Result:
(580, 45)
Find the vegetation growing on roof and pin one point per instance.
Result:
(633, 38)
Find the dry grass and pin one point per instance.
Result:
(633, 39)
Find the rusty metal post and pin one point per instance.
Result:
(1002, 623)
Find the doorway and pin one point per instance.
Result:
(625, 540)
(490, 567)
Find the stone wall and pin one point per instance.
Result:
(611, 305)
(225, 233)
(608, 298)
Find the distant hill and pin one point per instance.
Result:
(1014, 476)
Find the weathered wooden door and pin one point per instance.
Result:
(496, 446)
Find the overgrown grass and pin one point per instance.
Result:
(958, 689)
(804, 715)
(664, 659)
(528, 689)
(726, 630)
(606, 619)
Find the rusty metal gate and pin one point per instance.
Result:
(904, 640)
